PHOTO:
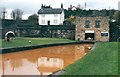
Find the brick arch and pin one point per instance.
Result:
(9, 32)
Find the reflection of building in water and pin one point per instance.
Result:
(81, 50)
(47, 60)
(1, 68)
(46, 64)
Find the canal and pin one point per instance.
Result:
(41, 61)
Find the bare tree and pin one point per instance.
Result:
(16, 14)
(3, 13)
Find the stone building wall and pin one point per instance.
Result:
(81, 29)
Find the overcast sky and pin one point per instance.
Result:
(32, 6)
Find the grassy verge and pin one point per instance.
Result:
(101, 61)
(34, 41)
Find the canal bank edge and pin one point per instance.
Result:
(61, 72)
(22, 48)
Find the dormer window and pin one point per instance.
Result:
(87, 24)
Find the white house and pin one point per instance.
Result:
(51, 16)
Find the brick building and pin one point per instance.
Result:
(92, 28)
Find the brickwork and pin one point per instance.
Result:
(103, 29)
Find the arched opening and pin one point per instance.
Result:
(10, 34)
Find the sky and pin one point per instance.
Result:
(32, 6)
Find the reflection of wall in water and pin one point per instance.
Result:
(79, 51)
(1, 70)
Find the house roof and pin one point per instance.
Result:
(50, 11)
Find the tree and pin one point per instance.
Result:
(16, 14)
(3, 13)
(71, 18)
(111, 13)
(116, 17)
(115, 26)
(33, 18)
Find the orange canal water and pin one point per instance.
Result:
(41, 61)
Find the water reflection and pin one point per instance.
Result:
(49, 65)
(42, 61)
(1, 71)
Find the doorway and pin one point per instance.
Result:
(89, 36)
(48, 22)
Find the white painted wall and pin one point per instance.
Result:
(62, 17)
(51, 18)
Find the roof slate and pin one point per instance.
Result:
(50, 11)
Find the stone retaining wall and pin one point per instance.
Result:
(17, 49)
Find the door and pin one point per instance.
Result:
(48, 22)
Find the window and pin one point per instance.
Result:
(43, 21)
(87, 24)
(42, 59)
(55, 15)
(97, 23)
(43, 15)
(55, 21)
(104, 33)
(54, 60)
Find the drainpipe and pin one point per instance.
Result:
(78, 38)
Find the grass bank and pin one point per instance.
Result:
(34, 41)
(101, 61)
